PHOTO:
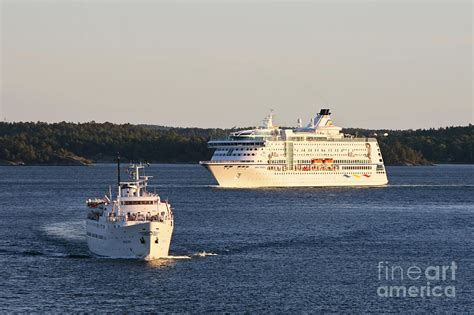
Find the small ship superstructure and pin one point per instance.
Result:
(316, 155)
(137, 224)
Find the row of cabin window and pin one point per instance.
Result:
(336, 161)
(96, 236)
(235, 154)
(238, 149)
(357, 167)
(146, 202)
(331, 154)
(334, 144)
(234, 144)
(319, 173)
(363, 145)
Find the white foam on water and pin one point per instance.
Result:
(69, 230)
(195, 255)
(203, 254)
(178, 257)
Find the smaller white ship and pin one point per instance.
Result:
(137, 224)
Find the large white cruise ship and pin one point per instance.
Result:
(138, 224)
(316, 155)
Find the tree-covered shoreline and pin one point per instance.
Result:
(39, 143)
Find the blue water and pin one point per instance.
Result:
(277, 250)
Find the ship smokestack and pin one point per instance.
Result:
(324, 111)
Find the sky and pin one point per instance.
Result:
(375, 64)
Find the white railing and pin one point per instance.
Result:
(228, 162)
(261, 141)
(139, 218)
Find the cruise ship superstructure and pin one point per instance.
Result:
(316, 155)
(138, 224)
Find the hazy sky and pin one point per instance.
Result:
(376, 64)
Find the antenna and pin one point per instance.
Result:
(268, 121)
(118, 169)
(300, 123)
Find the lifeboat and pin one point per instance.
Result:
(94, 203)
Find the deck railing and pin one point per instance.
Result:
(259, 141)
(138, 218)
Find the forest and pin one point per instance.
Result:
(64, 143)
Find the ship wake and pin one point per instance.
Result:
(195, 255)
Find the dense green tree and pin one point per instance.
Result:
(58, 143)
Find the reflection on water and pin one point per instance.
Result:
(161, 263)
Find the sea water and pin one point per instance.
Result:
(236, 250)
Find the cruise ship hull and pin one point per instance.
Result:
(254, 176)
(145, 241)
(318, 155)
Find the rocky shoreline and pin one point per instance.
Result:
(57, 160)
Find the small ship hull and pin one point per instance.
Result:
(254, 176)
(143, 241)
